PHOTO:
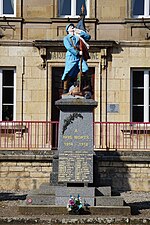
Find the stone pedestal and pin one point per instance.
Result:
(75, 145)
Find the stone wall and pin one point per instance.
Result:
(110, 20)
(27, 62)
(24, 170)
(123, 171)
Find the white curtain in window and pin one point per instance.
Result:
(86, 3)
(61, 3)
(12, 4)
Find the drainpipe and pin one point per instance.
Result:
(95, 18)
(104, 67)
(22, 20)
(101, 68)
(46, 101)
(23, 72)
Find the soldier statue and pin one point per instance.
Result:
(74, 76)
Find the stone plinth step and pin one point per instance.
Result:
(40, 199)
(62, 200)
(45, 189)
(62, 194)
(109, 201)
(103, 191)
(59, 210)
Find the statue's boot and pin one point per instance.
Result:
(65, 90)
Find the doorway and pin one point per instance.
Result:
(57, 88)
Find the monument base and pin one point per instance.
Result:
(74, 166)
(59, 195)
(53, 200)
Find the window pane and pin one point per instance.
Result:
(8, 6)
(138, 78)
(8, 95)
(7, 113)
(65, 7)
(79, 4)
(8, 78)
(138, 113)
(138, 97)
(138, 7)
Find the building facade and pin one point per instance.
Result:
(32, 55)
(32, 60)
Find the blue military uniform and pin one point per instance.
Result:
(72, 65)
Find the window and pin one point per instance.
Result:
(7, 7)
(140, 97)
(7, 94)
(141, 8)
(72, 8)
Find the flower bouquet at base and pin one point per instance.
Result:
(75, 205)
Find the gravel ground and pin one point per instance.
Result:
(138, 201)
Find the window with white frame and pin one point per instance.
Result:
(140, 8)
(7, 94)
(7, 8)
(72, 8)
(140, 97)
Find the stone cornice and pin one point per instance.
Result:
(49, 155)
(72, 20)
(16, 43)
(57, 45)
(95, 45)
(144, 43)
(11, 19)
(127, 156)
(25, 155)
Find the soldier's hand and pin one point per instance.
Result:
(77, 31)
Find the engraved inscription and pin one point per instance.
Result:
(62, 55)
(76, 168)
(76, 140)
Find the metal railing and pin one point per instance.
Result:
(44, 135)
(29, 135)
(122, 135)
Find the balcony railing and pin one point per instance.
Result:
(34, 135)
(28, 135)
(122, 135)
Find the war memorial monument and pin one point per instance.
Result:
(75, 165)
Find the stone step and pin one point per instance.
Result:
(59, 210)
(103, 191)
(59, 195)
(74, 191)
(40, 199)
(109, 201)
(51, 190)
(46, 199)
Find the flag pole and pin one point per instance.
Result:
(80, 73)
